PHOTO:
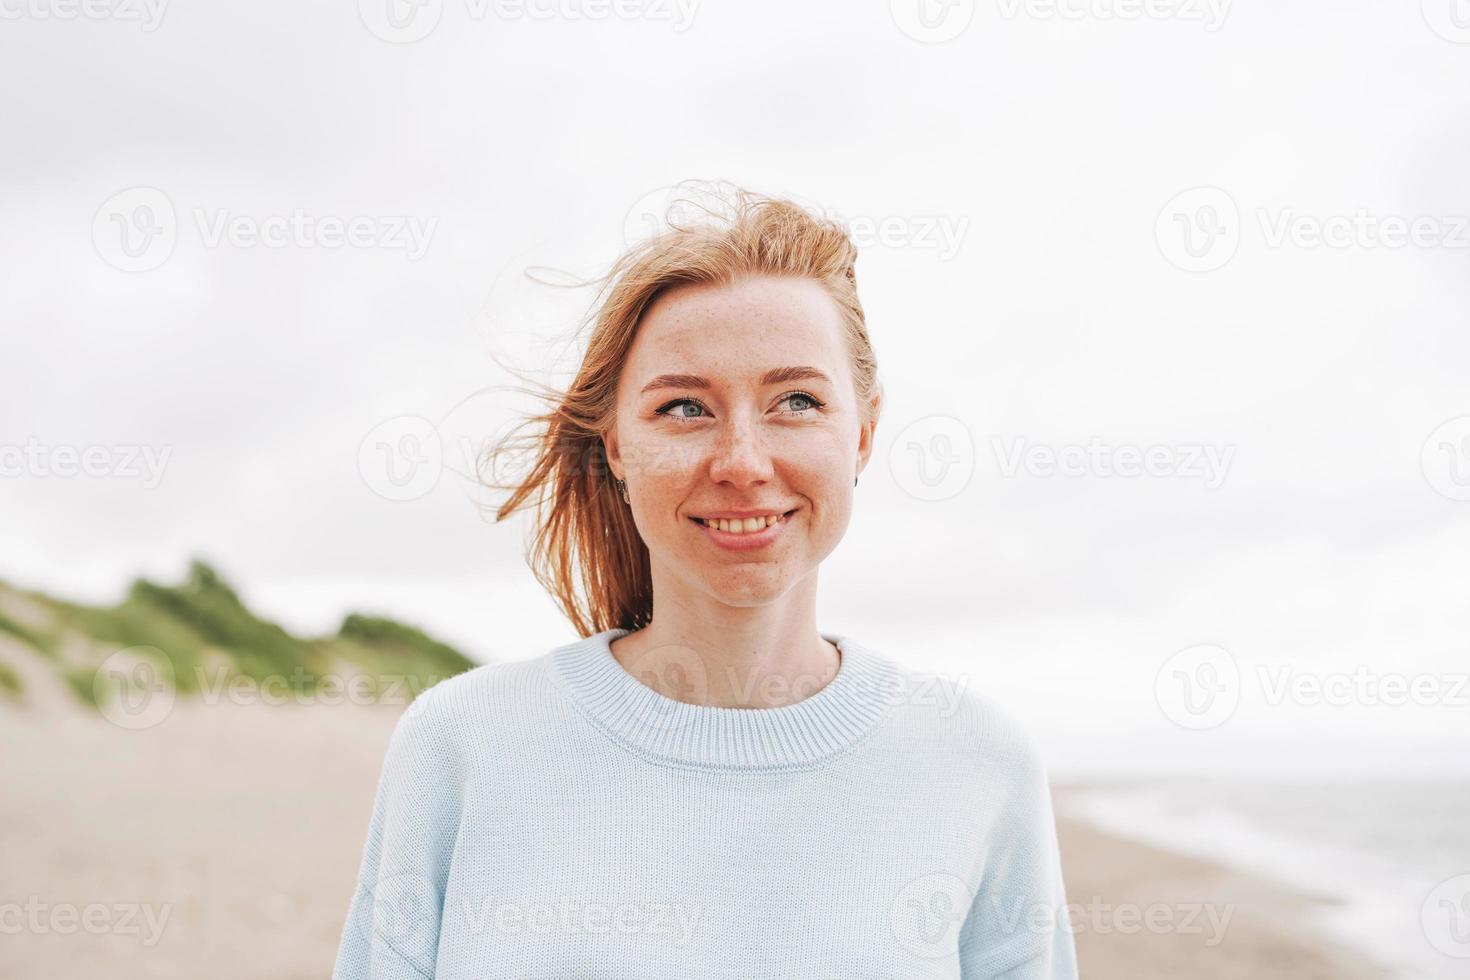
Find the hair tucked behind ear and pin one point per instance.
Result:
(586, 550)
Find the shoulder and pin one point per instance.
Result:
(445, 718)
(999, 730)
(440, 703)
(1001, 762)
(970, 726)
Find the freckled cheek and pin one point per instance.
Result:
(821, 485)
(662, 492)
(661, 462)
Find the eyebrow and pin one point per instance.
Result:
(775, 376)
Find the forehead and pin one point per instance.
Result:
(745, 326)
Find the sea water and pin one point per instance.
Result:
(1392, 858)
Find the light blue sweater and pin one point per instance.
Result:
(556, 818)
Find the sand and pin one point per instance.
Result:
(224, 842)
(1211, 922)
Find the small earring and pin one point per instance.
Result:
(622, 489)
(854, 481)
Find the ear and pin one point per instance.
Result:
(610, 449)
(865, 434)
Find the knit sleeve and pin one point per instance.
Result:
(1018, 926)
(392, 928)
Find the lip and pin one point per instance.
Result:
(742, 514)
(747, 542)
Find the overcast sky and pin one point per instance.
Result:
(243, 246)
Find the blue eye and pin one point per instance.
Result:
(803, 396)
(668, 408)
(664, 409)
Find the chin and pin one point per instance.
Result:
(747, 590)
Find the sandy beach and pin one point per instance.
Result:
(224, 841)
(1211, 922)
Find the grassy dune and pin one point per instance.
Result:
(198, 635)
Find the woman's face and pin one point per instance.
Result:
(740, 398)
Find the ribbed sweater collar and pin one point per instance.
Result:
(819, 726)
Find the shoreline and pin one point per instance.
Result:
(1209, 920)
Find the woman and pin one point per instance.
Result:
(706, 784)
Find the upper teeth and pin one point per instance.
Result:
(739, 525)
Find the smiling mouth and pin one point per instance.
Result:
(748, 525)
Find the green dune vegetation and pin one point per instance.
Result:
(200, 638)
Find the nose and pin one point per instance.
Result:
(740, 455)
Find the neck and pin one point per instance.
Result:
(701, 651)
